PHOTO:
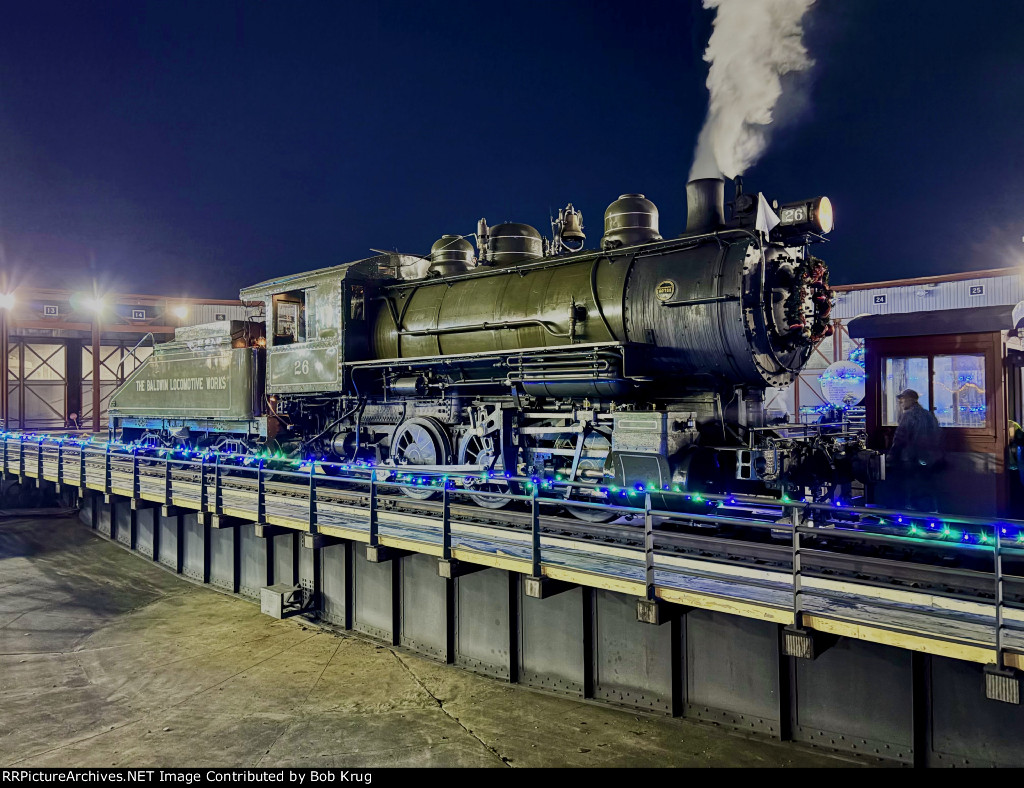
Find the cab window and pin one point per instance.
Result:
(293, 317)
(357, 302)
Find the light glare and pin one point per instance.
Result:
(93, 304)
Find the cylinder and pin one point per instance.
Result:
(409, 386)
(705, 205)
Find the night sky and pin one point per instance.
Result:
(191, 148)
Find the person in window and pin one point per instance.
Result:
(916, 450)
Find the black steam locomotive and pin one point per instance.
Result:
(645, 360)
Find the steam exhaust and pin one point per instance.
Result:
(755, 49)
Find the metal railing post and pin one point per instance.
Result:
(136, 490)
(535, 529)
(204, 494)
(374, 525)
(796, 518)
(106, 470)
(167, 482)
(39, 460)
(216, 485)
(312, 497)
(446, 522)
(648, 547)
(60, 461)
(261, 498)
(998, 560)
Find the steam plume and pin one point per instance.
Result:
(753, 44)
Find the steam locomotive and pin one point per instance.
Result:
(646, 359)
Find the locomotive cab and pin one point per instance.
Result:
(316, 323)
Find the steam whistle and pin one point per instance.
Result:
(483, 242)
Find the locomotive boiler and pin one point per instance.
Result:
(645, 359)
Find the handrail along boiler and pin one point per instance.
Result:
(643, 362)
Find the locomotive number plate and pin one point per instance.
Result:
(665, 290)
(297, 365)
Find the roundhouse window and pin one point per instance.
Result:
(958, 386)
(902, 373)
(951, 386)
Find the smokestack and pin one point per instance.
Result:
(705, 205)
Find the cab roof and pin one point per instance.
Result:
(370, 268)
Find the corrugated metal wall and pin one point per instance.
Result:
(963, 294)
(210, 313)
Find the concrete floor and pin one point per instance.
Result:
(108, 660)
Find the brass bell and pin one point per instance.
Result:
(572, 225)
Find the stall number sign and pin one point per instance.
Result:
(50, 310)
(138, 314)
(220, 316)
(977, 290)
(880, 299)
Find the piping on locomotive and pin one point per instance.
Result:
(645, 360)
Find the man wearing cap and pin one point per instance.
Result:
(916, 448)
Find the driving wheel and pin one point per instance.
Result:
(420, 441)
(477, 450)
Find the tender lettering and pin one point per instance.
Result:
(215, 383)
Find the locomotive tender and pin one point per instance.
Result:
(645, 360)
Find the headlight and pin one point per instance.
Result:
(822, 214)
